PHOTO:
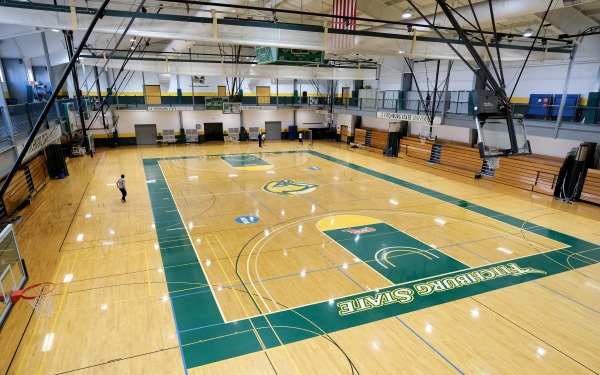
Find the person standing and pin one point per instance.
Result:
(263, 136)
(259, 139)
(121, 186)
(299, 139)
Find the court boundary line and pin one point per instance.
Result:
(189, 237)
(478, 210)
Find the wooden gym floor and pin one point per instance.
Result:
(234, 259)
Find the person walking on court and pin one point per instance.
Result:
(299, 139)
(263, 137)
(121, 186)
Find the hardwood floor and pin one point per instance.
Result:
(336, 261)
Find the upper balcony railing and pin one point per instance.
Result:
(23, 116)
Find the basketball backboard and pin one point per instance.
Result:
(494, 134)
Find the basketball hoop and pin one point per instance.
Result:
(493, 163)
(39, 297)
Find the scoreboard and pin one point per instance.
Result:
(271, 55)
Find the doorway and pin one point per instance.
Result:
(221, 91)
(273, 130)
(263, 95)
(145, 134)
(213, 131)
(345, 95)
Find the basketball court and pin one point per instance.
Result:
(234, 259)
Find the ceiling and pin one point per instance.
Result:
(199, 33)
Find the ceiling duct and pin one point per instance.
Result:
(183, 46)
(164, 80)
(503, 9)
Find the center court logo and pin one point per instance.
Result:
(360, 231)
(289, 187)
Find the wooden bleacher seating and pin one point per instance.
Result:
(412, 149)
(371, 139)
(460, 160)
(591, 187)
(534, 173)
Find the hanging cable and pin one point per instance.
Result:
(477, 74)
(484, 41)
(409, 64)
(531, 48)
(496, 42)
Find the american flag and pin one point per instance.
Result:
(343, 8)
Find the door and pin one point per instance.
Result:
(263, 95)
(222, 91)
(145, 134)
(152, 93)
(345, 95)
(213, 131)
(273, 130)
(344, 133)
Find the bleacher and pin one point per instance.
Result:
(412, 149)
(532, 172)
(537, 173)
(371, 139)
(460, 160)
(591, 187)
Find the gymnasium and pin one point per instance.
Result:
(300, 187)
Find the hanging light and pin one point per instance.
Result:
(528, 32)
(407, 13)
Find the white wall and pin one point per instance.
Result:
(258, 118)
(191, 118)
(551, 146)
(309, 119)
(344, 119)
(170, 120)
(163, 120)
(538, 77)
(376, 123)
(549, 78)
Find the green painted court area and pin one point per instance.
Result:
(395, 255)
(206, 338)
(241, 161)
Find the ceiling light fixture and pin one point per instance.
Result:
(528, 32)
(55, 30)
(407, 13)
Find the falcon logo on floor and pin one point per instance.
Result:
(289, 187)
(246, 219)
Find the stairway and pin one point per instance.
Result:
(368, 137)
(436, 153)
(486, 170)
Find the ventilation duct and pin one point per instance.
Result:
(164, 80)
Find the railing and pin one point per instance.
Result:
(573, 114)
(456, 102)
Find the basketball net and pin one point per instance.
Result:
(493, 163)
(39, 296)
